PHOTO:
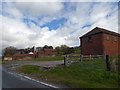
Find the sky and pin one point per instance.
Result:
(37, 23)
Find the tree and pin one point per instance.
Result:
(45, 47)
(77, 49)
(57, 49)
(69, 50)
(63, 49)
(50, 47)
(9, 51)
(33, 49)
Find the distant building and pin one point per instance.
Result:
(24, 56)
(7, 58)
(31, 53)
(100, 41)
(38, 49)
(46, 52)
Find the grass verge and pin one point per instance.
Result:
(88, 74)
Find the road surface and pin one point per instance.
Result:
(13, 80)
(0, 76)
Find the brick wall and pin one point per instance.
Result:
(92, 45)
(100, 44)
(47, 52)
(110, 43)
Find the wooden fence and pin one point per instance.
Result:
(90, 57)
(68, 59)
(83, 57)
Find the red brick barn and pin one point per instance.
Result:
(100, 41)
(47, 52)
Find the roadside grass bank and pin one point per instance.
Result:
(55, 58)
(87, 74)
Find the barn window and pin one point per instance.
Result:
(107, 38)
(89, 39)
(115, 39)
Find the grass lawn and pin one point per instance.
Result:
(87, 74)
(55, 58)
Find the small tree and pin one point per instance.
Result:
(9, 51)
(50, 47)
(57, 50)
(45, 47)
(69, 50)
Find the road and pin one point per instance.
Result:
(0, 76)
(38, 63)
(13, 80)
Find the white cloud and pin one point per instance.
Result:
(17, 33)
(14, 32)
(14, 12)
(106, 17)
(37, 9)
(32, 0)
(60, 0)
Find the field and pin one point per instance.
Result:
(87, 74)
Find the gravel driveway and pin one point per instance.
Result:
(38, 63)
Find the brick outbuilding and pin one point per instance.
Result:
(46, 52)
(100, 41)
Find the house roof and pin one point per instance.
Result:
(97, 30)
(31, 53)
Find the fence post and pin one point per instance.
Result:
(81, 58)
(90, 57)
(65, 61)
(107, 62)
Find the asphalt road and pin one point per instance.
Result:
(13, 80)
(0, 76)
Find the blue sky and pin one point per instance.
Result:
(27, 24)
(55, 24)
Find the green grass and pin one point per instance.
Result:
(29, 69)
(55, 58)
(88, 74)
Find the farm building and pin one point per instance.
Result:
(46, 52)
(28, 56)
(100, 41)
(21, 55)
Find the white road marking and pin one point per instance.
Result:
(46, 84)
(40, 82)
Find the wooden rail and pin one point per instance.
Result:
(90, 57)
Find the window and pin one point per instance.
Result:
(89, 39)
(115, 39)
(107, 38)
